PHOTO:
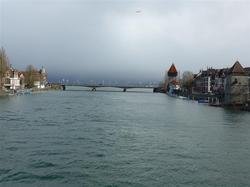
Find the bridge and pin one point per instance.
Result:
(94, 87)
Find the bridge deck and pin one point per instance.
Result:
(114, 86)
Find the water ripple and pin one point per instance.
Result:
(25, 176)
(42, 164)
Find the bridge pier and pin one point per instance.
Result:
(63, 87)
(93, 89)
(124, 89)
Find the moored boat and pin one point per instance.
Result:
(203, 101)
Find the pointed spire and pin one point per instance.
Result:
(172, 72)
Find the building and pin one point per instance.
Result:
(248, 72)
(219, 81)
(202, 82)
(36, 78)
(44, 78)
(22, 79)
(11, 80)
(206, 81)
(171, 82)
(210, 81)
(231, 86)
(237, 85)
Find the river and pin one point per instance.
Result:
(106, 138)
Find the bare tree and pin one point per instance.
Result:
(30, 76)
(187, 80)
(4, 65)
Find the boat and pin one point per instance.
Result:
(173, 89)
(23, 92)
(215, 104)
(203, 101)
(183, 98)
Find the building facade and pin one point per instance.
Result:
(203, 81)
(237, 85)
(11, 80)
(231, 86)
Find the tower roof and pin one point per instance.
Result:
(172, 71)
(237, 69)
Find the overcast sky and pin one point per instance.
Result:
(124, 39)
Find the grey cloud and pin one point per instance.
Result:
(108, 39)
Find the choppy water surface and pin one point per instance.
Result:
(80, 138)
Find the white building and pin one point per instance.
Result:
(40, 78)
(12, 80)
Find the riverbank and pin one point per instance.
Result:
(2, 93)
(50, 87)
(211, 100)
(218, 101)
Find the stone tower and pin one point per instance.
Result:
(236, 87)
(170, 78)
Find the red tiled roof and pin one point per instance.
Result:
(20, 73)
(237, 69)
(172, 69)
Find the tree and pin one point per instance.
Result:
(4, 65)
(30, 76)
(187, 80)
